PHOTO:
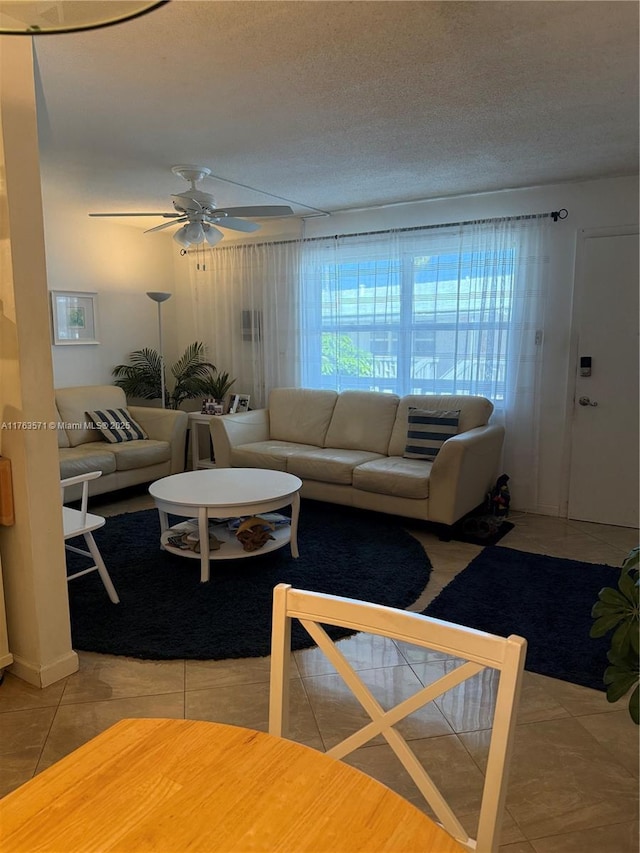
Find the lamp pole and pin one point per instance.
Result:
(160, 297)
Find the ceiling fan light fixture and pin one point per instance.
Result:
(181, 237)
(212, 235)
(20, 17)
(194, 232)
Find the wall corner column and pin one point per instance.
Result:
(32, 549)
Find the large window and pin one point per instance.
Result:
(418, 322)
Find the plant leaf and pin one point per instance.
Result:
(611, 596)
(632, 560)
(629, 589)
(634, 708)
(619, 684)
(621, 639)
(141, 378)
(604, 624)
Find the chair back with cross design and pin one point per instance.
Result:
(474, 650)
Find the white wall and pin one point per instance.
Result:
(591, 204)
(118, 262)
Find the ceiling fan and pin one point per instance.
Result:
(197, 209)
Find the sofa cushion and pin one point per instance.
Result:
(74, 403)
(116, 425)
(428, 430)
(474, 412)
(266, 454)
(329, 465)
(134, 454)
(362, 420)
(63, 438)
(393, 475)
(300, 414)
(78, 460)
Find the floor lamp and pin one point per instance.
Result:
(159, 297)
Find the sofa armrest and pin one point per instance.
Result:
(165, 425)
(232, 430)
(463, 472)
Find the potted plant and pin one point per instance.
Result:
(617, 610)
(218, 385)
(192, 376)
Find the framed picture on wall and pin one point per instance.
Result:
(74, 315)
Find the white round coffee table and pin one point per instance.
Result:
(223, 493)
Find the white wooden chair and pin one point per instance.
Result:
(79, 522)
(478, 650)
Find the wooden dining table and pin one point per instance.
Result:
(170, 786)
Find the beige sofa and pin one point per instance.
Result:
(123, 464)
(348, 449)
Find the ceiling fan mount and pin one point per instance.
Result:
(198, 214)
(191, 173)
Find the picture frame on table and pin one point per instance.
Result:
(74, 317)
(238, 403)
(243, 403)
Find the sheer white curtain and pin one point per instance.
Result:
(448, 310)
(245, 309)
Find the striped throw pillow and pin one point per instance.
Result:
(116, 425)
(428, 431)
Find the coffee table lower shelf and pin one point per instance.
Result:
(230, 549)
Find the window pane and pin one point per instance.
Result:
(431, 323)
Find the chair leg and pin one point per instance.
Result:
(102, 569)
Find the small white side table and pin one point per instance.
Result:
(225, 493)
(195, 420)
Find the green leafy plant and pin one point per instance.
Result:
(617, 610)
(193, 376)
(218, 386)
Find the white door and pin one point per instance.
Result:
(603, 480)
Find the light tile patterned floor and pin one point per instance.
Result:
(574, 777)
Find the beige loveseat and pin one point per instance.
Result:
(122, 464)
(348, 448)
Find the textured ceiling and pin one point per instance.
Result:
(336, 105)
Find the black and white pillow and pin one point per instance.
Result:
(428, 430)
(116, 425)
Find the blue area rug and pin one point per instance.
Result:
(544, 599)
(166, 613)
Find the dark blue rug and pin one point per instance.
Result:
(166, 613)
(547, 600)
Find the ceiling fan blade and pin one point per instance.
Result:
(258, 210)
(155, 213)
(167, 224)
(236, 224)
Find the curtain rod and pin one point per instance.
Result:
(563, 213)
(554, 214)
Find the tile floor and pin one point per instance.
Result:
(574, 776)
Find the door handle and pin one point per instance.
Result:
(585, 401)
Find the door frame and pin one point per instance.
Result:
(582, 235)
